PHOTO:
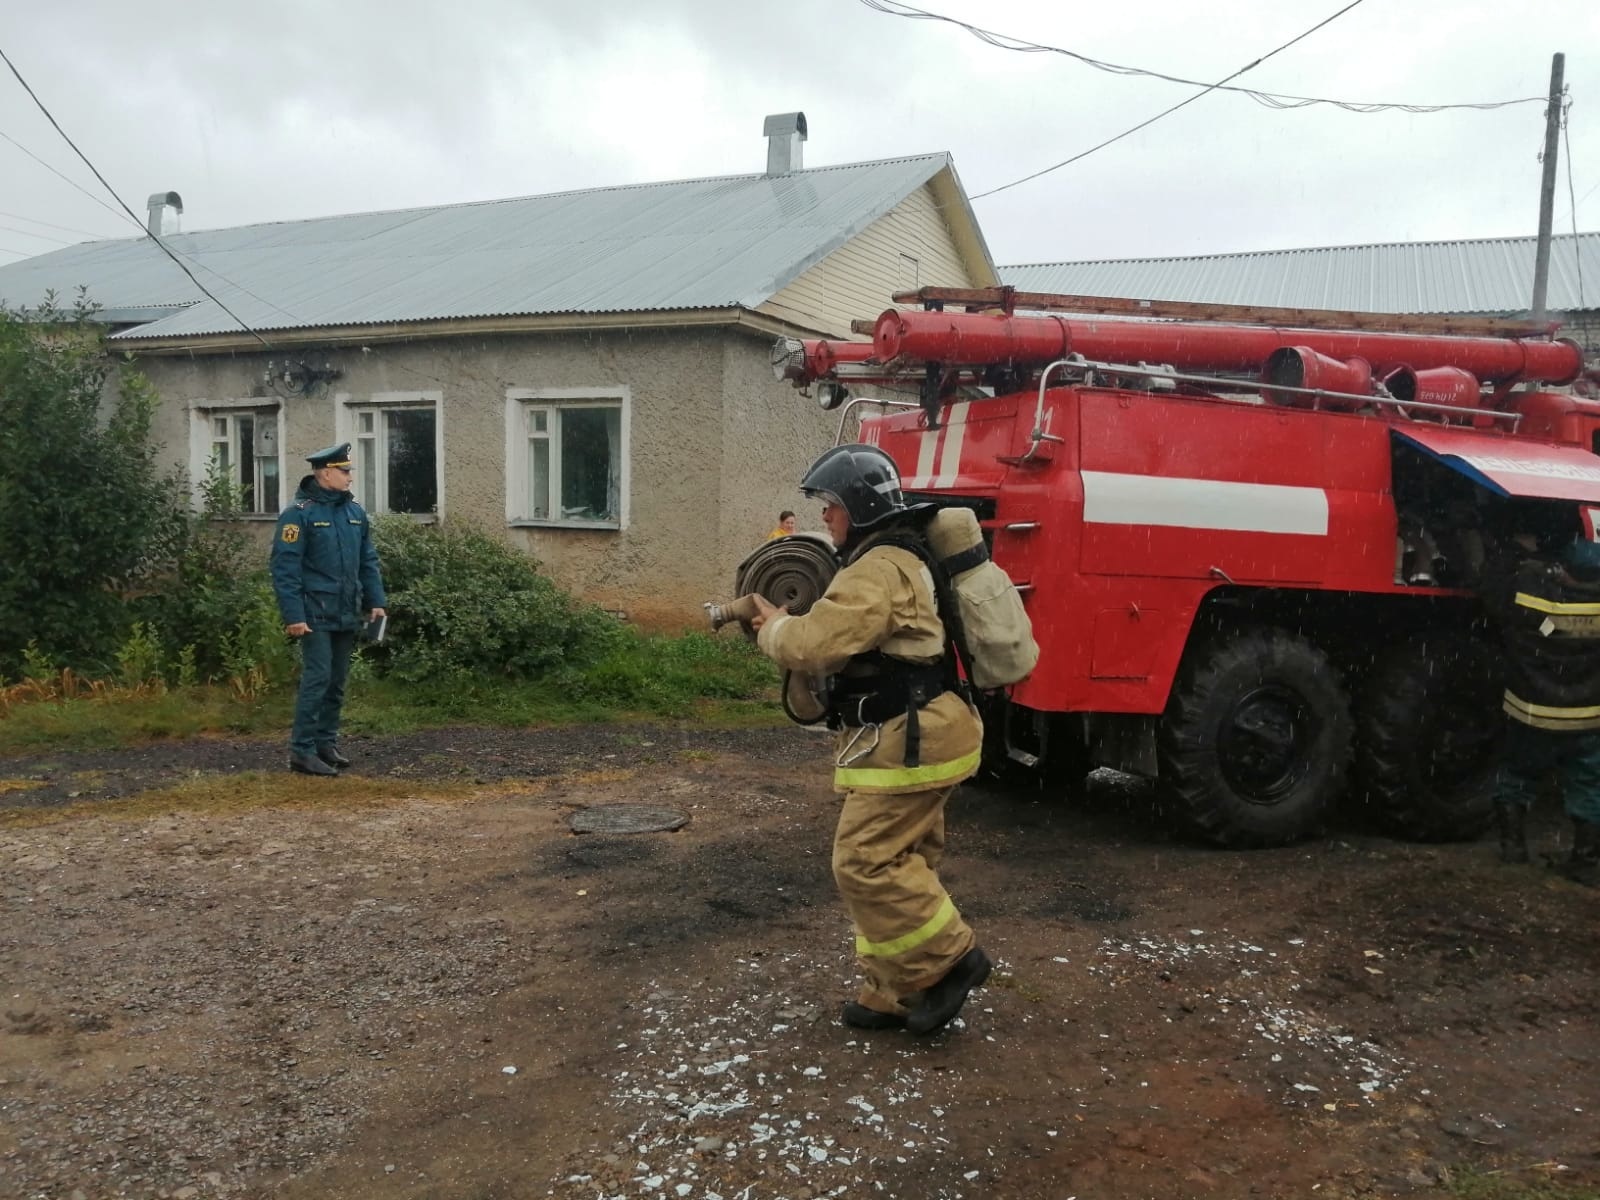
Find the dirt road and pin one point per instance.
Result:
(419, 982)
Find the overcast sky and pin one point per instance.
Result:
(266, 111)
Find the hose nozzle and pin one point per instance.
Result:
(742, 610)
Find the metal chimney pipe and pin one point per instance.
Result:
(157, 205)
(785, 132)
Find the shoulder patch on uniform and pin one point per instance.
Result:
(291, 533)
(301, 503)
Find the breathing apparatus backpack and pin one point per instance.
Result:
(989, 627)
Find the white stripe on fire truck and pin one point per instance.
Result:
(942, 445)
(927, 452)
(955, 436)
(1115, 499)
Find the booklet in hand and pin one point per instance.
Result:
(374, 631)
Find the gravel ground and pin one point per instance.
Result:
(420, 982)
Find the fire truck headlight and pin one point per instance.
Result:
(831, 395)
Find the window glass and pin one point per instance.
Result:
(412, 460)
(247, 462)
(589, 440)
(539, 479)
(367, 472)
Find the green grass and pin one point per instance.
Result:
(1531, 1183)
(722, 682)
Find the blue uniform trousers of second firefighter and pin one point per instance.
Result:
(1531, 753)
(324, 667)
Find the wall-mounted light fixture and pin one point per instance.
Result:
(299, 378)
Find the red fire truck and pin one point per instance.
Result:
(1250, 551)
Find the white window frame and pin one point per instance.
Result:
(202, 440)
(347, 428)
(520, 404)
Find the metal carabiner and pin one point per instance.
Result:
(846, 759)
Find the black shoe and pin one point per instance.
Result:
(1584, 864)
(308, 764)
(859, 1016)
(329, 753)
(1512, 820)
(943, 1000)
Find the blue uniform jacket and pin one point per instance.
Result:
(324, 565)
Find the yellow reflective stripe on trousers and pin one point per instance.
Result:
(1556, 608)
(910, 941)
(1545, 716)
(931, 775)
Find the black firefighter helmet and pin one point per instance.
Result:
(862, 480)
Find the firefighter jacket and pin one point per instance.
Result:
(1550, 625)
(882, 600)
(324, 565)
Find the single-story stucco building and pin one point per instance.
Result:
(1490, 277)
(586, 373)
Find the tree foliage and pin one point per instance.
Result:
(85, 509)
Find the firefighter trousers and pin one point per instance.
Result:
(1532, 753)
(886, 854)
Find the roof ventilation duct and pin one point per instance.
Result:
(785, 132)
(158, 204)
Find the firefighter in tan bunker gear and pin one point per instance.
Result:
(904, 740)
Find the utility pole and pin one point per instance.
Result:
(1547, 190)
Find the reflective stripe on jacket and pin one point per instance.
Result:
(883, 599)
(1552, 640)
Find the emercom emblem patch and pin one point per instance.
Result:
(291, 533)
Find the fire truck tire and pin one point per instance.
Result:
(1427, 740)
(1255, 742)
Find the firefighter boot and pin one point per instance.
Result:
(328, 752)
(859, 1016)
(1583, 866)
(1512, 821)
(940, 1003)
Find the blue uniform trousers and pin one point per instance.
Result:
(1530, 753)
(324, 666)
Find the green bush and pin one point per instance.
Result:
(463, 604)
(85, 511)
(211, 602)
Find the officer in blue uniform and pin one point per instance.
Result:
(325, 574)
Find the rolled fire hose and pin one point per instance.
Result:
(791, 572)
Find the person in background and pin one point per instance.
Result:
(786, 525)
(1548, 606)
(326, 577)
(904, 738)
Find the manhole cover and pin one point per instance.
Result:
(627, 818)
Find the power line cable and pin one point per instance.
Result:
(148, 233)
(51, 225)
(19, 253)
(1002, 41)
(66, 179)
(1168, 111)
(43, 237)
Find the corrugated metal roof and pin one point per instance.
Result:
(698, 243)
(1491, 275)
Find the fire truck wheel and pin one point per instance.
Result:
(1256, 738)
(1427, 740)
